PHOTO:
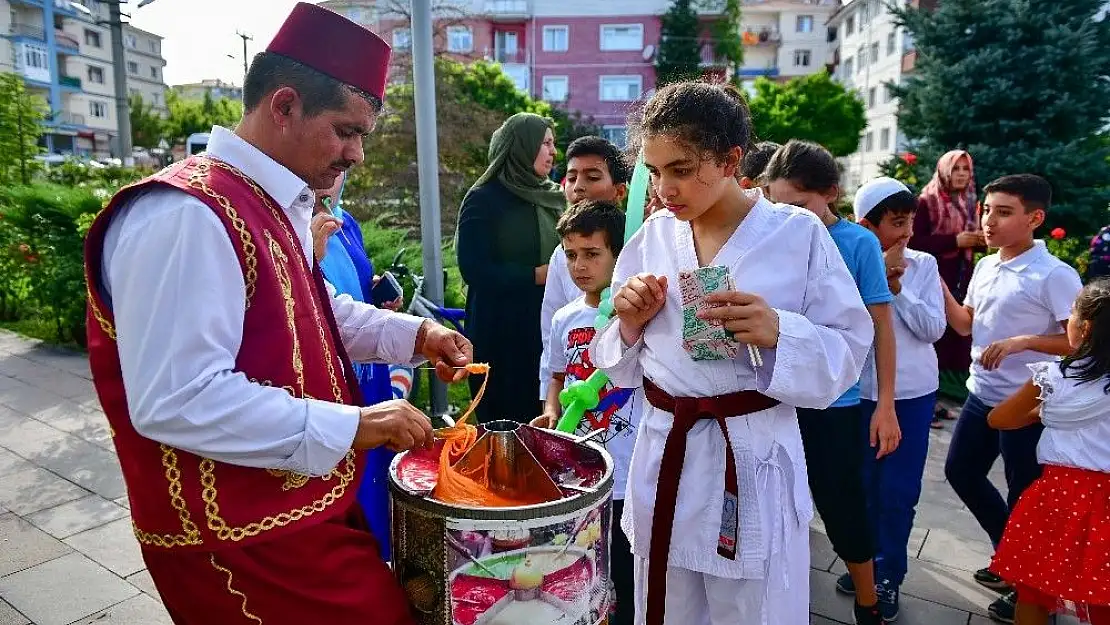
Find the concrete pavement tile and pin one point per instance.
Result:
(10, 616)
(77, 516)
(145, 583)
(22, 545)
(138, 610)
(825, 601)
(917, 539)
(112, 546)
(123, 502)
(944, 547)
(26, 492)
(954, 588)
(959, 522)
(10, 463)
(63, 590)
(821, 554)
(815, 619)
(32, 439)
(914, 611)
(95, 468)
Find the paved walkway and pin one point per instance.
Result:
(67, 554)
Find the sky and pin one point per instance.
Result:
(200, 34)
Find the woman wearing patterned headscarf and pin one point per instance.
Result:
(947, 226)
(505, 235)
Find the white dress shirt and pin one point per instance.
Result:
(558, 291)
(919, 322)
(175, 287)
(785, 255)
(1030, 294)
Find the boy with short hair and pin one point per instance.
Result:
(1017, 307)
(596, 170)
(592, 234)
(893, 484)
(754, 162)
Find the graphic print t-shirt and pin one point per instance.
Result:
(618, 412)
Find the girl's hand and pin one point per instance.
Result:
(746, 315)
(323, 226)
(637, 303)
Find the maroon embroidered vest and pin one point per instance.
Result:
(179, 499)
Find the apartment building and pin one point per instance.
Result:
(142, 53)
(213, 87)
(598, 57)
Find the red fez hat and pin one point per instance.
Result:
(334, 45)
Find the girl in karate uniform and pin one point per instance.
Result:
(718, 508)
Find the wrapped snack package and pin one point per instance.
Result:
(702, 339)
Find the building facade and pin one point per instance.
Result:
(598, 58)
(213, 87)
(142, 53)
(64, 55)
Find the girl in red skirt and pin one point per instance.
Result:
(1056, 549)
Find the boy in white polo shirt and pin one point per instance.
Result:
(893, 483)
(1016, 310)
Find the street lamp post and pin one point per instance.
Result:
(123, 107)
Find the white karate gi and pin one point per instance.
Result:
(785, 255)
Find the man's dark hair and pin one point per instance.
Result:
(590, 216)
(898, 204)
(1034, 191)
(619, 169)
(755, 160)
(319, 92)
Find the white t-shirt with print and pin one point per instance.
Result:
(1076, 417)
(572, 329)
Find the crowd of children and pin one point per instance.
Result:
(721, 456)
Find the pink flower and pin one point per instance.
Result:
(910, 158)
(1058, 233)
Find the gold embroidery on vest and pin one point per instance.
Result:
(230, 589)
(198, 180)
(105, 325)
(225, 532)
(292, 479)
(279, 261)
(191, 533)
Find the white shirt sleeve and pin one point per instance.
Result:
(920, 305)
(178, 297)
(373, 334)
(1061, 287)
(554, 298)
(822, 350)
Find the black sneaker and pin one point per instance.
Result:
(1002, 610)
(990, 580)
(888, 600)
(868, 616)
(844, 585)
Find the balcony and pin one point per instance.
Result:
(29, 3)
(28, 31)
(761, 37)
(710, 58)
(70, 82)
(507, 9)
(66, 43)
(756, 72)
(508, 57)
(66, 119)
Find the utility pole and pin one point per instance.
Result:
(245, 37)
(119, 62)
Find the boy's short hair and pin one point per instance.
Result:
(882, 196)
(619, 169)
(755, 160)
(590, 216)
(1035, 192)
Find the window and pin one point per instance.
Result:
(850, 24)
(804, 24)
(154, 73)
(156, 98)
(622, 37)
(556, 88)
(884, 139)
(620, 88)
(875, 52)
(402, 38)
(153, 46)
(96, 74)
(92, 38)
(890, 42)
(131, 41)
(460, 39)
(98, 109)
(802, 58)
(132, 67)
(556, 38)
(36, 57)
(871, 93)
(848, 67)
(617, 135)
(865, 14)
(888, 95)
(869, 142)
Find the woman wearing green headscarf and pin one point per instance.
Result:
(505, 235)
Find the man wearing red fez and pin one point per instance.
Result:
(222, 358)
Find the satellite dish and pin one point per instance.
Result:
(649, 51)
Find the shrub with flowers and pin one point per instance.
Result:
(905, 167)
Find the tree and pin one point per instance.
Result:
(813, 108)
(189, 116)
(679, 55)
(725, 30)
(21, 115)
(146, 124)
(1023, 87)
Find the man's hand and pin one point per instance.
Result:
(970, 239)
(323, 226)
(746, 315)
(395, 305)
(546, 420)
(895, 257)
(446, 349)
(885, 431)
(541, 275)
(395, 424)
(637, 302)
(992, 356)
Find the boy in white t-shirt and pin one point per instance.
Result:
(592, 235)
(1016, 310)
